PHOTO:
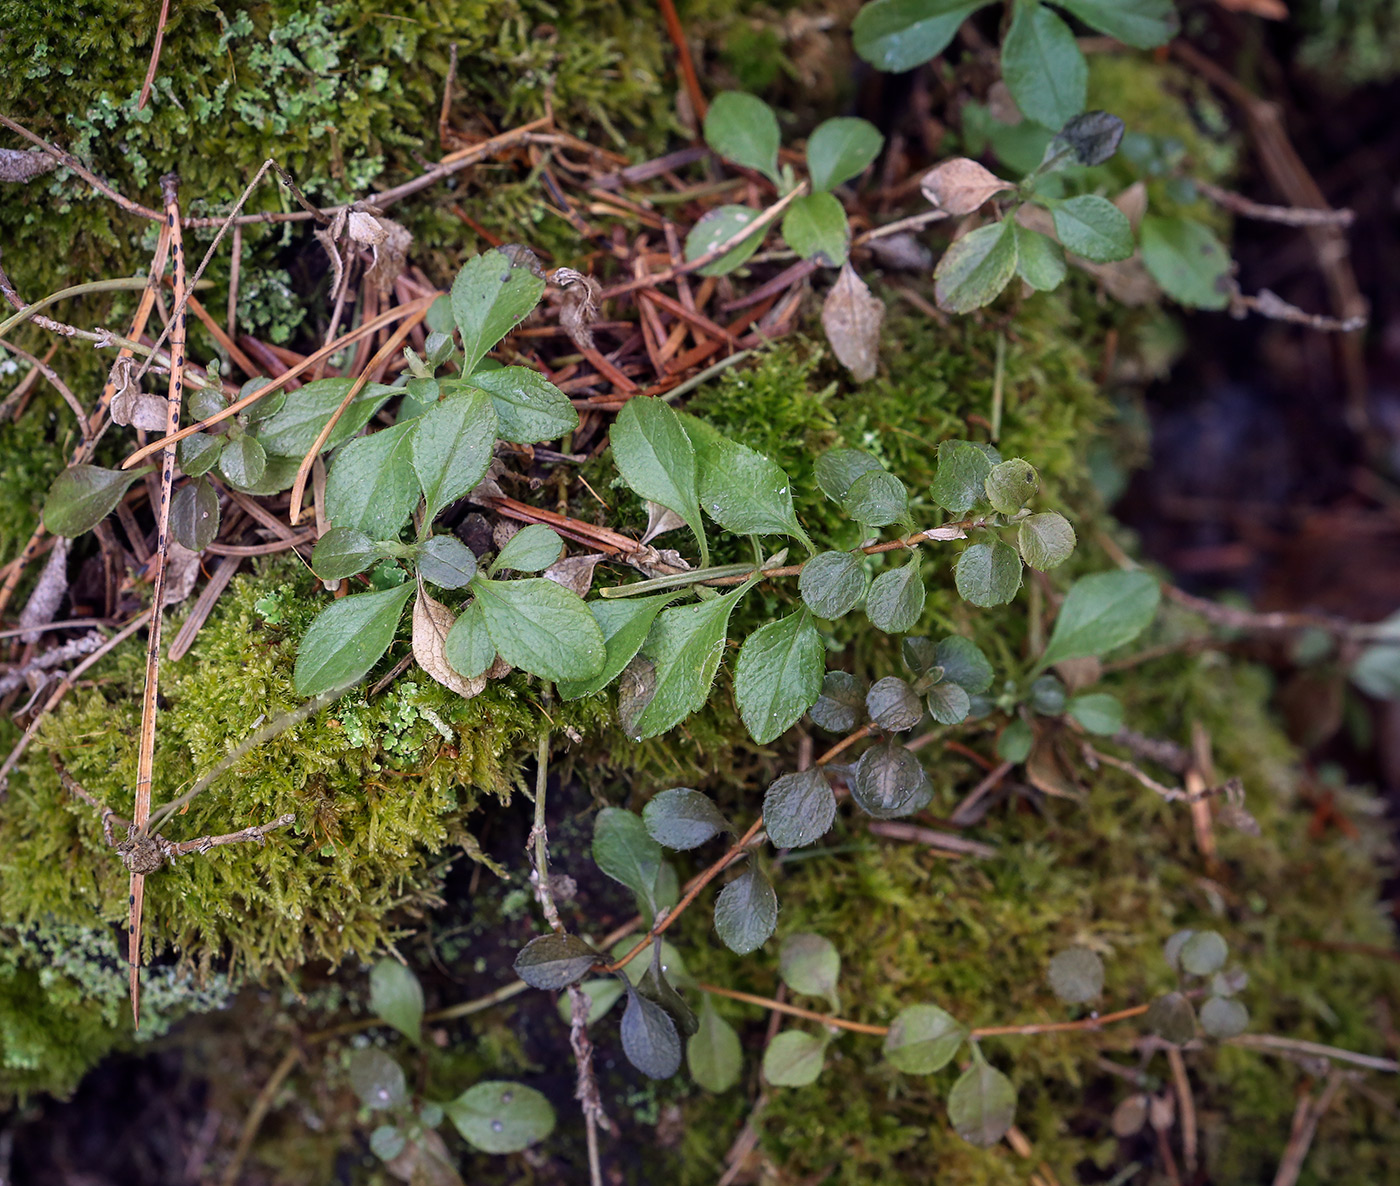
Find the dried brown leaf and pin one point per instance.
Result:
(1133, 203)
(903, 252)
(431, 623)
(181, 571)
(961, 186)
(574, 573)
(1270, 10)
(851, 317)
(578, 309)
(660, 520)
(390, 256)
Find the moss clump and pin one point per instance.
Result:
(379, 785)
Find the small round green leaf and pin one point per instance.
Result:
(1171, 1018)
(949, 703)
(1047, 696)
(396, 997)
(649, 1038)
(1099, 713)
(713, 1052)
(840, 149)
(975, 269)
(961, 481)
(715, 229)
(531, 549)
(446, 562)
(1171, 949)
(746, 911)
(683, 819)
(793, 1059)
(876, 499)
(377, 1079)
(982, 1104)
(199, 453)
(742, 128)
(555, 961)
(964, 664)
(798, 809)
(1014, 744)
(1093, 227)
(892, 704)
(492, 293)
(194, 515)
(1011, 485)
(242, 461)
(1203, 953)
(896, 598)
(923, 1039)
(342, 552)
(1045, 540)
(501, 1117)
(809, 964)
(988, 574)
(1076, 975)
(815, 227)
(837, 469)
(386, 1142)
(831, 583)
(841, 705)
(1222, 1017)
(890, 782)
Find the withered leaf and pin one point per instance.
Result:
(431, 623)
(851, 317)
(574, 573)
(660, 520)
(960, 185)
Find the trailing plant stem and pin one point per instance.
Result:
(879, 1031)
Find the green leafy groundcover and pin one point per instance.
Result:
(386, 788)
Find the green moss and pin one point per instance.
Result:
(378, 792)
(1118, 872)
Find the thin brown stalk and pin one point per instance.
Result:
(354, 335)
(155, 56)
(386, 351)
(146, 744)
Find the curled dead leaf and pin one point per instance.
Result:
(181, 572)
(574, 573)
(851, 316)
(961, 186)
(578, 309)
(1133, 203)
(432, 621)
(660, 520)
